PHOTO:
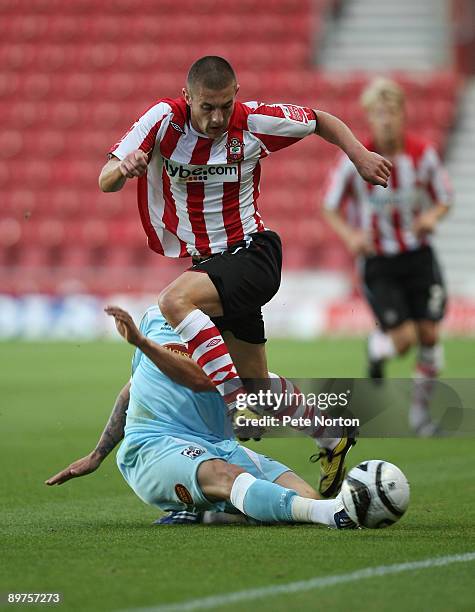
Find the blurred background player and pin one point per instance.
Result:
(179, 452)
(389, 231)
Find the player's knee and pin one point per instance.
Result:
(405, 344)
(429, 339)
(226, 474)
(428, 335)
(165, 302)
(404, 338)
(171, 301)
(216, 478)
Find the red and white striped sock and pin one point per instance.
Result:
(295, 406)
(429, 364)
(210, 352)
(293, 403)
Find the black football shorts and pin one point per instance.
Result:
(246, 276)
(403, 287)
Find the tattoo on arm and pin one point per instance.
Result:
(114, 430)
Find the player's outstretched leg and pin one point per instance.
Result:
(267, 501)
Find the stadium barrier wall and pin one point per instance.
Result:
(81, 317)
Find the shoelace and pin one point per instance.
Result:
(317, 456)
(327, 453)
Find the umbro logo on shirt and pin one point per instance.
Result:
(177, 127)
(296, 113)
(213, 342)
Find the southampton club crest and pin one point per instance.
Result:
(235, 150)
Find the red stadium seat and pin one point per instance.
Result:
(64, 29)
(10, 232)
(11, 144)
(24, 204)
(78, 86)
(36, 174)
(94, 233)
(33, 256)
(119, 256)
(65, 115)
(10, 82)
(36, 86)
(50, 143)
(17, 57)
(67, 203)
(74, 257)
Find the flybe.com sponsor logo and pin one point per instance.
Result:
(187, 173)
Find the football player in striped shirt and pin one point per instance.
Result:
(198, 162)
(390, 230)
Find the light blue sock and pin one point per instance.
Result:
(262, 500)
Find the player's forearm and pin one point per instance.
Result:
(440, 210)
(336, 221)
(114, 430)
(180, 368)
(111, 177)
(336, 132)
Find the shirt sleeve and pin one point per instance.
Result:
(143, 133)
(435, 178)
(280, 125)
(340, 184)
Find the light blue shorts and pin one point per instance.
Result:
(162, 470)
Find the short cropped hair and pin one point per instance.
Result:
(382, 90)
(212, 72)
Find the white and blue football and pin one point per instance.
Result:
(375, 494)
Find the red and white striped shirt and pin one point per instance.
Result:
(417, 180)
(199, 195)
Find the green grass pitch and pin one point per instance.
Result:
(92, 539)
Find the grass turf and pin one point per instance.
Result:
(91, 538)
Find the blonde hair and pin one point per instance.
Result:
(382, 90)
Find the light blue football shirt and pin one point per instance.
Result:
(160, 406)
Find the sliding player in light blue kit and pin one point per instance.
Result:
(179, 451)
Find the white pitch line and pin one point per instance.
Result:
(306, 585)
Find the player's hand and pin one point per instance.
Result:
(373, 168)
(81, 467)
(424, 224)
(246, 431)
(359, 243)
(125, 325)
(135, 164)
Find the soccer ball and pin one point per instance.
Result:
(375, 494)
